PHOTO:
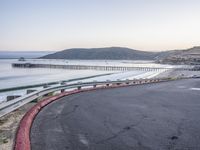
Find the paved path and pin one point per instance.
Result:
(162, 116)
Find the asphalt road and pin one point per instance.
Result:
(162, 116)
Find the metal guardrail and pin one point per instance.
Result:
(51, 83)
(12, 105)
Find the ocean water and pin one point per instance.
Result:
(15, 77)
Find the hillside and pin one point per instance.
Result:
(109, 53)
(187, 56)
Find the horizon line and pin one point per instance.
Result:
(97, 48)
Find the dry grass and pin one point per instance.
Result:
(8, 126)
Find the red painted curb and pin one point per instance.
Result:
(22, 140)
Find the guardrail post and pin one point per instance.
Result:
(62, 83)
(79, 87)
(127, 81)
(30, 91)
(107, 84)
(11, 97)
(35, 100)
(46, 86)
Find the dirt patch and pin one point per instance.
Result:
(9, 124)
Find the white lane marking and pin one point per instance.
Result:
(196, 89)
(83, 139)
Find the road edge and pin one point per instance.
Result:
(22, 140)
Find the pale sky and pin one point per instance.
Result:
(61, 24)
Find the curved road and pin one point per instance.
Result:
(162, 116)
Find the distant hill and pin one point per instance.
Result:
(25, 54)
(187, 56)
(108, 53)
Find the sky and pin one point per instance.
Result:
(152, 25)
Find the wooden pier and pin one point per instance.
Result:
(87, 67)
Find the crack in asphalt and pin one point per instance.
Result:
(56, 116)
(125, 129)
(176, 136)
(72, 111)
(105, 123)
